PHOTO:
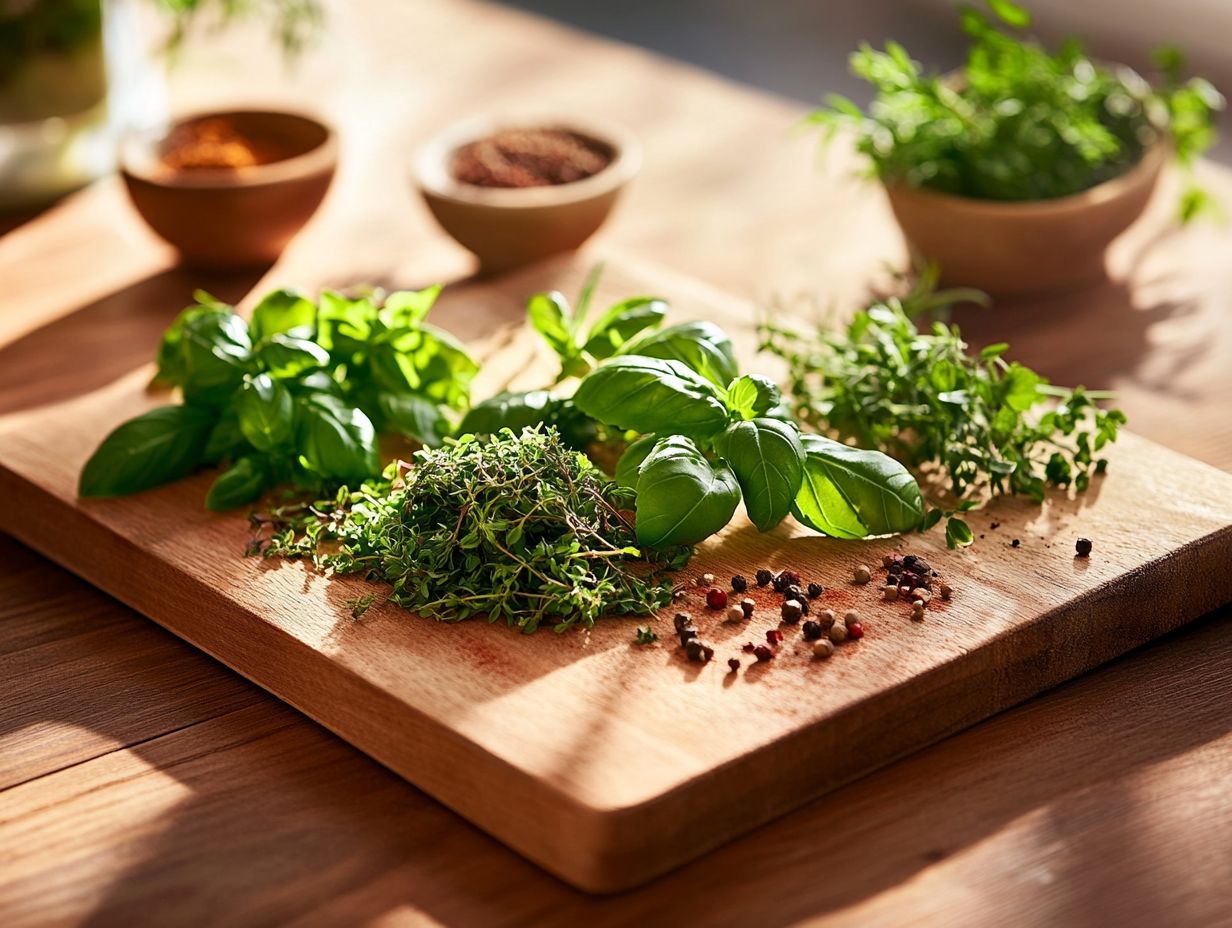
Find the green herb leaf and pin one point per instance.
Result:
(288, 356)
(753, 395)
(157, 447)
(701, 346)
(957, 533)
(768, 459)
(335, 440)
(407, 309)
(283, 312)
(630, 463)
(621, 322)
(240, 484)
(413, 416)
(848, 493)
(215, 353)
(549, 315)
(266, 412)
(681, 497)
(650, 395)
(514, 411)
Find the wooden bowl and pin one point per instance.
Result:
(244, 217)
(507, 228)
(1013, 248)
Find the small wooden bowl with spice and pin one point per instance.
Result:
(230, 189)
(515, 191)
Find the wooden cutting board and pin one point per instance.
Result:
(605, 762)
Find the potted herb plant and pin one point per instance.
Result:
(1016, 172)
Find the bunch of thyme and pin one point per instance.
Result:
(514, 527)
(992, 427)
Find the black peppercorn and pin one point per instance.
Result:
(815, 590)
(921, 566)
(909, 561)
(1083, 547)
(739, 584)
(794, 592)
(763, 577)
(763, 653)
(1015, 543)
(811, 630)
(779, 583)
(697, 650)
(682, 621)
(733, 663)
(791, 611)
(687, 634)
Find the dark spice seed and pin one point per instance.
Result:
(763, 577)
(763, 653)
(1015, 543)
(811, 630)
(815, 590)
(774, 636)
(739, 584)
(733, 663)
(748, 606)
(1083, 547)
(687, 635)
(791, 611)
(716, 599)
(779, 584)
(909, 561)
(749, 647)
(794, 592)
(682, 621)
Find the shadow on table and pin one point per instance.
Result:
(101, 341)
(284, 821)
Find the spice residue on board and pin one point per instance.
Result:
(541, 157)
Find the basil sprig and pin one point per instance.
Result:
(298, 394)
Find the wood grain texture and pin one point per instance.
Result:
(1101, 802)
(599, 739)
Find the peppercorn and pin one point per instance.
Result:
(733, 663)
(779, 583)
(790, 578)
(917, 612)
(773, 635)
(1015, 543)
(888, 561)
(1083, 547)
(748, 647)
(823, 648)
(826, 619)
(791, 611)
(748, 606)
(682, 620)
(687, 634)
(804, 605)
(763, 653)
(889, 593)
(921, 566)
(946, 590)
(811, 630)
(736, 614)
(716, 599)
(739, 584)
(850, 617)
(909, 561)
(793, 592)
(861, 575)
(697, 650)
(921, 596)
(763, 576)
(856, 631)
(838, 633)
(815, 590)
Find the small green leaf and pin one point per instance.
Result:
(512, 411)
(622, 322)
(681, 497)
(549, 315)
(408, 308)
(413, 416)
(1010, 13)
(848, 493)
(630, 462)
(241, 483)
(288, 356)
(651, 395)
(215, 353)
(283, 312)
(752, 395)
(335, 440)
(157, 447)
(957, 533)
(701, 346)
(266, 412)
(768, 459)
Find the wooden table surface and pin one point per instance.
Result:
(142, 783)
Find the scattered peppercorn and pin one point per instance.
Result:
(804, 606)
(850, 617)
(1015, 543)
(861, 575)
(856, 631)
(917, 612)
(815, 590)
(733, 663)
(763, 577)
(748, 606)
(682, 620)
(811, 630)
(736, 614)
(909, 561)
(790, 578)
(687, 635)
(774, 636)
(716, 599)
(697, 650)
(763, 653)
(922, 567)
(791, 611)
(739, 584)
(888, 561)
(748, 647)
(946, 590)
(794, 592)
(823, 648)
(838, 633)
(779, 583)
(1083, 547)
(826, 619)
(889, 593)
(705, 580)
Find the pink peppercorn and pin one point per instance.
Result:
(855, 630)
(774, 636)
(763, 653)
(716, 599)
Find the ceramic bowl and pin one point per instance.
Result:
(1018, 248)
(507, 228)
(234, 217)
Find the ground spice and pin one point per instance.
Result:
(538, 157)
(214, 143)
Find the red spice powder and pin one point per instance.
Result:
(530, 158)
(214, 143)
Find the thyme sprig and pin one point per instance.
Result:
(516, 528)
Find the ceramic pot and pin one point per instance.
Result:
(507, 228)
(227, 218)
(1013, 248)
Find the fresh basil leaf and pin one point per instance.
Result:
(413, 416)
(445, 367)
(283, 311)
(1010, 13)
(651, 395)
(266, 412)
(549, 315)
(768, 459)
(848, 493)
(344, 325)
(215, 353)
(335, 440)
(631, 461)
(169, 359)
(225, 440)
(701, 346)
(957, 533)
(287, 356)
(753, 395)
(681, 497)
(157, 447)
(621, 322)
(408, 308)
(507, 410)
(241, 483)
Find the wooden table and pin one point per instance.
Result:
(140, 782)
